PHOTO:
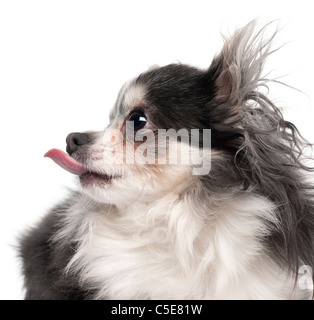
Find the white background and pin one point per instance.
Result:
(63, 62)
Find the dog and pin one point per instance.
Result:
(237, 225)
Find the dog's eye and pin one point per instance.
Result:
(139, 119)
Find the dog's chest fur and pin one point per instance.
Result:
(166, 250)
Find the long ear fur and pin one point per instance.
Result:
(268, 151)
(240, 64)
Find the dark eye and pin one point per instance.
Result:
(139, 119)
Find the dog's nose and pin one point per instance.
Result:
(74, 140)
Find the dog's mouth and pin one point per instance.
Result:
(70, 164)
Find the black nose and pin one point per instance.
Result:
(74, 140)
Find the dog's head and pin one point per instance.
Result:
(147, 149)
(177, 126)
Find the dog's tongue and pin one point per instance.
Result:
(65, 161)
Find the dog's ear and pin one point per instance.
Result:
(237, 70)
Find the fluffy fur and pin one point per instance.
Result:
(158, 232)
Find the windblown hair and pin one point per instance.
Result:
(159, 232)
(268, 151)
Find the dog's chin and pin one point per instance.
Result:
(100, 187)
(102, 192)
(97, 180)
(112, 190)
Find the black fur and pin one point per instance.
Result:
(262, 152)
(44, 262)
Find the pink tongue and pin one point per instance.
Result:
(65, 161)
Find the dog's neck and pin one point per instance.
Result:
(172, 238)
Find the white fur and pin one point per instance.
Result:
(158, 238)
(169, 250)
(134, 96)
